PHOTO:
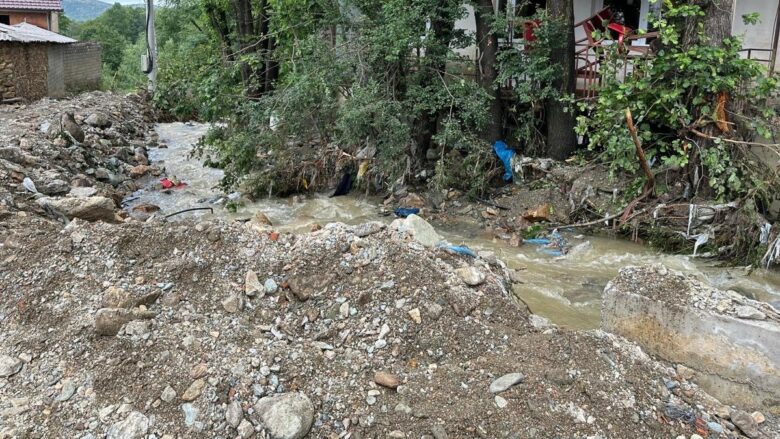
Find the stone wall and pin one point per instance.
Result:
(82, 66)
(25, 70)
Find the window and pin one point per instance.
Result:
(628, 11)
(5, 19)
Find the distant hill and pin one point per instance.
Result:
(83, 10)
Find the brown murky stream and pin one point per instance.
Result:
(566, 289)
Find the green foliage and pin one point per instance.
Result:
(371, 88)
(533, 74)
(674, 97)
(115, 29)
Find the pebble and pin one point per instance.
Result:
(9, 366)
(414, 314)
(234, 414)
(506, 381)
(746, 423)
(270, 286)
(67, 391)
(501, 402)
(439, 432)
(194, 390)
(252, 284)
(233, 303)
(386, 379)
(397, 434)
(758, 417)
(245, 429)
(168, 394)
(471, 276)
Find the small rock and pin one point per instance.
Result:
(750, 313)
(233, 303)
(194, 390)
(506, 381)
(501, 402)
(415, 315)
(386, 379)
(134, 426)
(252, 284)
(684, 372)
(9, 366)
(199, 371)
(439, 432)
(246, 429)
(108, 321)
(168, 394)
(397, 434)
(746, 423)
(471, 276)
(286, 416)
(234, 414)
(82, 191)
(67, 391)
(369, 228)
(758, 417)
(270, 286)
(98, 120)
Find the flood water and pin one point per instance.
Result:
(567, 289)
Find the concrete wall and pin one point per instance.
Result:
(28, 66)
(82, 66)
(759, 35)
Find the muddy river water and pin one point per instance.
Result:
(567, 289)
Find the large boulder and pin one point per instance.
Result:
(87, 208)
(682, 320)
(286, 416)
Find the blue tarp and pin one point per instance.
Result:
(403, 212)
(505, 154)
(460, 249)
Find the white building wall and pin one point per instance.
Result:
(757, 36)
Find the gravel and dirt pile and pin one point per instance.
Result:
(76, 157)
(229, 330)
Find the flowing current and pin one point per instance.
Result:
(567, 289)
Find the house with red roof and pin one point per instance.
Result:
(42, 13)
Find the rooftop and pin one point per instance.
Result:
(31, 5)
(28, 33)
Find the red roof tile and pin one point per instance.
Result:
(31, 5)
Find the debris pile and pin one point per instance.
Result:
(227, 330)
(74, 158)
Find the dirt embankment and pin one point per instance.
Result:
(363, 331)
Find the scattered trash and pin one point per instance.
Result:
(766, 229)
(403, 212)
(172, 183)
(459, 249)
(673, 411)
(190, 210)
(700, 240)
(504, 153)
(554, 245)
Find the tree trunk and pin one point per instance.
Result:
(561, 139)
(717, 23)
(487, 42)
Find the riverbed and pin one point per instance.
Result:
(566, 289)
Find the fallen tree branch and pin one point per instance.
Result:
(640, 152)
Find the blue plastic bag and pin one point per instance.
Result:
(403, 212)
(505, 154)
(460, 249)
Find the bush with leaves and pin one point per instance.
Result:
(694, 106)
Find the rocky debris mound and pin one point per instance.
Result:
(729, 340)
(349, 331)
(95, 142)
